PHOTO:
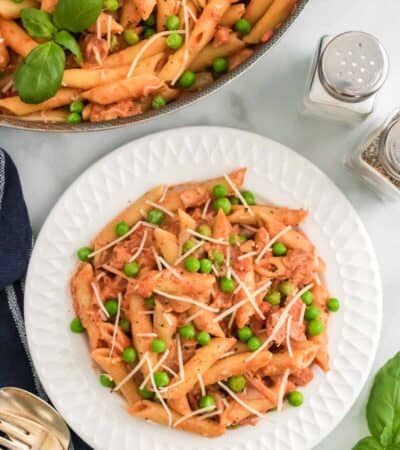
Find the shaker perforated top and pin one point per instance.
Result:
(353, 66)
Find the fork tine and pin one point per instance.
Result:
(12, 445)
(24, 430)
(13, 431)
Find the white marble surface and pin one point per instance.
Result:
(265, 100)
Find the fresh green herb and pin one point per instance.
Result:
(76, 15)
(68, 41)
(38, 23)
(383, 409)
(39, 76)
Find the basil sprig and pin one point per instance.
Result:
(39, 77)
(383, 409)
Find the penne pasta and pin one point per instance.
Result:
(234, 13)
(16, 38)
(255, 9)
(129, 14)
(12, 10)
(48, 5)
(165, 8)
(105, 24)
(165, 323)
(285, 215)
(167, 244)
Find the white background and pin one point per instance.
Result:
(265, 100)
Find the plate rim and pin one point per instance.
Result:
(187, 130)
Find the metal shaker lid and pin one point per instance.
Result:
(353, 66)
(389, 150)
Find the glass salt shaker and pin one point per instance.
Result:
(377, 160)
(347, 72)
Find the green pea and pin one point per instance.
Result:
(188, 245)
(244, 333)
(150, 21)
(74, 118)
(173, 23)
(333, 304)
(129, 355)
(111, 306)
(83, 253)
(234, 200)
(130, 37)
(295, 398)
(204, 229)
(220, 65)
(242, 238)
(208, 401)
(76, 107)
(155, 216)
(114, 43)
(76, 326)
(233, 240)
(145, 393)
(222, 203)
(187, 79)
(150, 302)
(161, 378)
(312, 312)
(121, 228)
(218, 257)
(106, 381)
(111, 5)
(226, 285)
(158, 345)
(307, 297)
(191, 264)
(205, 265)
(273, 298)
(148, 32)
(286, 288)
(279, 249)
(174, 41)
(237, 383)
(220, 190)
(254, 343)
(249, 197)
(125, 325)
(187, 331)
(158, 102)
(131, 269)
(315, 327)
(243, 26)
(203, 338)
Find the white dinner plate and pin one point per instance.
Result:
(275, 174)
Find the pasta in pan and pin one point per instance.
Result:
(119, 58)
(203, 308)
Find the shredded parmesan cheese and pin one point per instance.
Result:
(317, 279)
(187, 36)
(155, 255)
(146, 312)
(185, 300)
(100, 276)
(269, 244)
(249, 227)
(131, 373)
(215, 270)
(168, 369)
(98, 27)
(231, 320)
(225, 355)
(193, 316)
(180, 357)
(116, 272)
(302, 312)
(116, 324)
(161, 208)
(282, 389)
(288, 342)
(239, 400)
(211, 414)
(189, 252)
(109, 23)
(205, 209)
(248, 295)
(280, 322)
(170, 268)
(206, 238)
(201, 384)
(146, 335)
(97, 56)
(143, 213)
(159, 364)
(229, 310)
(228, 261)
(147, 45)
(192, 414)
(141, 247)
(164, 194)
(247, 255)
(225, 402)
(262, 288)
(116, 241)
(167, 318)
(237, 192)
(98, 300)
(7, 86)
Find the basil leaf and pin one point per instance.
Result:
(368, 443)
(77, 15)
(68, 41)
(383, 408)
(39, 76)
(37, 23)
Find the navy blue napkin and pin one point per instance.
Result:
(16, 368)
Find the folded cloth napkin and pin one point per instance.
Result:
(16, 368)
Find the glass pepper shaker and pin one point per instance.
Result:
(347, 72)
(377, 160)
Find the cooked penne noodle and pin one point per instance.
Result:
(320, 298)
(4, 55)
(167, 244)
(51, 116)
(48, 5)
(285, 215)
(129, 14)
(105, 24)
(239, 57)
(235, 412)
(165, 8)
(145, 7)
(255, 9)
(276, 14)
(12, 10)
(234, 13)
(165, 323)
(16, 38)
